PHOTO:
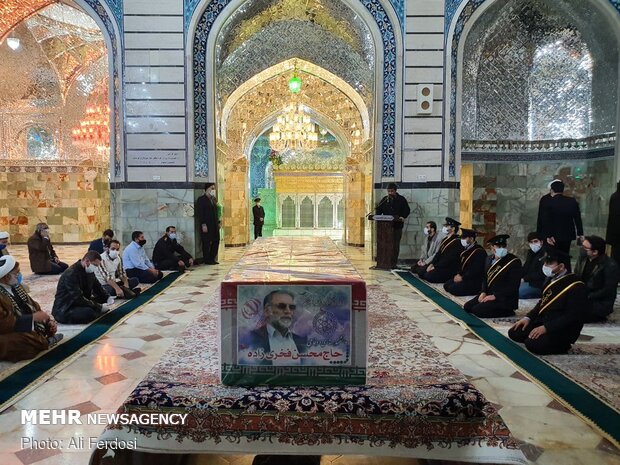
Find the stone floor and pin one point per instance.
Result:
(101, 378)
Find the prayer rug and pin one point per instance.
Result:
(414, 404)
(18, 379)
(555, 373)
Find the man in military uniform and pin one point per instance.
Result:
(500, 286)
(473, 261)
(555, 322)
(447, 261)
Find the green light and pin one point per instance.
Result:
(294, 84)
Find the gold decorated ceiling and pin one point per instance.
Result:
(12, 12)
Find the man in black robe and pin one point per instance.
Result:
(500, 286)
(560, 219)
(468, 281)
(555, 323)
(447, 261)
(209, 224)
(613, 225)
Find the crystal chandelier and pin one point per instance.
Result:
(94, 129)
(293, 130)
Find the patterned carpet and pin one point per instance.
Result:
(415, 403)
(592, 364)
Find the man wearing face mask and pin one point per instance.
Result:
(468, 281)
(79, 296)
(137, 264)
(4, 243)
(43, 258)
(533, 277)
(100, 245)
(25, 330)
(499, 295)
(600, 275)
(555, 323)
(447, 261)
(207, 214)
(429, 248)
(169, 254)
(111, 274)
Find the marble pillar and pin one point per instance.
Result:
(235, 221)
(355, 222)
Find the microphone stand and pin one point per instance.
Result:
(385, 199)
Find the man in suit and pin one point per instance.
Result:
(275, 337)
(396, 205)
(613, 225)
(429, 248)
(468, 281)
(206, 211)
(100, 245)
(533, 277)
(600, 275)
(500, 286)
(560, 219)
(555, 323)
(447, 261)
(258, 213)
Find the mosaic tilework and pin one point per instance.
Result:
(451, 7)
(73, 200)
(117, 10)
(203, 28)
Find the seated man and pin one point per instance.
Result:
(169, 254)
(533, 277)
(79, 296)
(112, 276)
(43, 258)
(100, 245)
(136, 263)
(500, 286)
(600, 275)
(555, 322)
(447, 261)
(473, 261)
(4, 243)
(429, 248)
(25, 330)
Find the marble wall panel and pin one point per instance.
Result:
(73, 200)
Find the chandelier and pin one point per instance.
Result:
(94, 129)
(293, 130)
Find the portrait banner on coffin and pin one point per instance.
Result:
(294, 325)
(293, 334)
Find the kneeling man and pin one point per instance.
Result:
(25, 330)
(555, 322)
(500, 286)
(473, 261)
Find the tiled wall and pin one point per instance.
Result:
(73, 200)
(506, 195)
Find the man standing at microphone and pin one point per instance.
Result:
(396, 205)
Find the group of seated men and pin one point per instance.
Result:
(85, 289)
(567, 299)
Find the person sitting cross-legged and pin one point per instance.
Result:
(447, 261)
(556, 321)
(112, 276)
(600, 275)
(500, 286)
(468, 281)
(43, 257)
(25, 329)
(79, 296)
(169, 254)
(532, 277)
(136, 263)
